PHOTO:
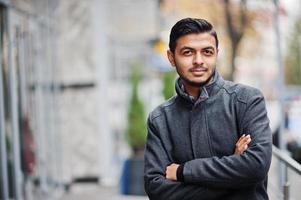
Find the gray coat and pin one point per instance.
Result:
(201, 136)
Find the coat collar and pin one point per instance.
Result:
(206, 90)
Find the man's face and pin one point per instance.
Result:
(194, 58)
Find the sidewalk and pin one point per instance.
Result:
(97, 192)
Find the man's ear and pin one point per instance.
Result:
(171, 58)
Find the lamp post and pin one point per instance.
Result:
(283, 181)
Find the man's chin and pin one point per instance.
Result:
(196, 83)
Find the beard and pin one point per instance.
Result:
(196, 84)
(192, 83)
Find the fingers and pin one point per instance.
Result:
(242, 144)
(168, 172)
(243, 136)
(171, 171)
(245, 140)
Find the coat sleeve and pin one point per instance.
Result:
(157, 186)
(236, 171)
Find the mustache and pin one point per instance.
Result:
(192, 69)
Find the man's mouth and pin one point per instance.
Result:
(198, 70)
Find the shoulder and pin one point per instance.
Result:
(161, 109)
(242, 92)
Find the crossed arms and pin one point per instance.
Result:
(172, 170)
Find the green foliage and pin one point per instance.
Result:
(136, 115)
(293, 59)
(169, 84)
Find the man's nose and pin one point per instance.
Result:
(198, 59)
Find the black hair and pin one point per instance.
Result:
(187, 26)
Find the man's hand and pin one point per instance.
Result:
(242, 144)
(171, 172)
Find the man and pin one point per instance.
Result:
(196, 147)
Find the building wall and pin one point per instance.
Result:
(78, 105)
(98, 41)
(29, 123)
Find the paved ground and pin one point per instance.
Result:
(97, 192)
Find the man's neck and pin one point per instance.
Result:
(192, 90)
(195, 91)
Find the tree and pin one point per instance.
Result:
(236, 29)
(169, 84)
(293, 58)
(136, 116)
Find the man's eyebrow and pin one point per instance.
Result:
(209, 47)
(186, 47)
(190, 48)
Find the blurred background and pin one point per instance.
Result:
(78, 79)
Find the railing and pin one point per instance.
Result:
(288, 163)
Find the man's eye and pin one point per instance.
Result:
(208, 52)
(187, 53)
